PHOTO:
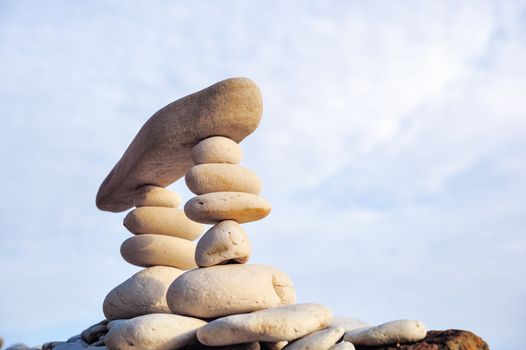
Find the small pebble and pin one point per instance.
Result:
(226, 242)
(217, 149)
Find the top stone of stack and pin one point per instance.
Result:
(161, 153)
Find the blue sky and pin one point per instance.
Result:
(392, 149)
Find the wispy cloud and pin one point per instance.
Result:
(391, 147)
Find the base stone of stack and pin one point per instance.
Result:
(399, 331)
(288, 322)
(162, 221)
(152, 332)
(229, 289)
(322, 339)
(143, 293)
(152, 250)
(213, 207)
(225, 242)
(246, 346)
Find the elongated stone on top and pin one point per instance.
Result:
(161, 152)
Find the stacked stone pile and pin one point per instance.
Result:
(206, 295)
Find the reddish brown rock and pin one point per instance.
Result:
(451, 339)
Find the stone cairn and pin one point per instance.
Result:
(205, 295)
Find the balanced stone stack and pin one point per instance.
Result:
(220, 301)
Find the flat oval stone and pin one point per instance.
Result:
(399, 331)
(151, 250)
(320, 340)
(162, 221)
(217, 149)
(348, 323)
(218, 206)
(207, 178)
(143, 293)
(229, 289)
(287, 322)
(344, 345)
(226, 242)
(153, 196)
(152, 332)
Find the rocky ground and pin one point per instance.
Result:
(451, 339)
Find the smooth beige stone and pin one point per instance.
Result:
(217, 149)
(287, 322)
(344, 345)
(348, 323)
(319, 340)
(218, 206)
(153, 196)
(229, 289)
(152, 332)
(399, 331)
(207, 178)
(162, 221)
(226, 242)
(247, 346)
(151, 250)
(143, 293)
(161, 152)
